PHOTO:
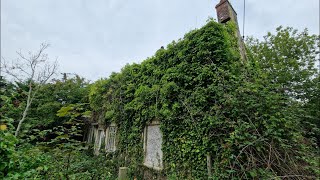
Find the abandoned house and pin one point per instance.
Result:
(105, 132)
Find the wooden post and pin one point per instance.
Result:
(123, 173)
(209, 165)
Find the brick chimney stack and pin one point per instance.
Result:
(225, 13)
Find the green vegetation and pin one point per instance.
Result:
(288, 60)
(257, 119)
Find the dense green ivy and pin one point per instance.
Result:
(209, 102)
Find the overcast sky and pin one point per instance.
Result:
(93, 38)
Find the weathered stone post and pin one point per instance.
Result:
(209, 165)
(123, 173)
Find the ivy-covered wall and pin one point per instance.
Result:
(208, 101)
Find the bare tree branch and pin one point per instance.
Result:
(35, 69)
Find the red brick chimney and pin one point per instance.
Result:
(225, 12)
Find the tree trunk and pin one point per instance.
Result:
(21, 121)
(24, 115)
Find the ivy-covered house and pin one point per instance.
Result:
(163, 117)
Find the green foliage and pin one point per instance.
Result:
(58, 139)
(58, 163)
(288, 60)
(7, 139)
(53, 96)
(7, 151)
(62, 156)
(44, 124)
(310, 111)
(10, 101)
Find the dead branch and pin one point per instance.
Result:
(34, 69)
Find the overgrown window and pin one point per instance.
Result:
(111, 138)
(91, 134)
(89, 138)
(152, 146)
(99, 140)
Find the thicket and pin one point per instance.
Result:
(51, 143)
(289, 59)
(209, 102)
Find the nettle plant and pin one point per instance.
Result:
(209, 102)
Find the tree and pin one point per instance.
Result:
(35, 69)
(288, 58)
(54, 95)
(51, 97)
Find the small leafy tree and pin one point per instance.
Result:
(288, 58)
(35, 69)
